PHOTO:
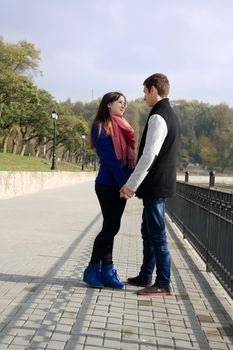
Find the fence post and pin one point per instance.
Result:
(209, 205)
(211, 184)
(186, 179)
(212, 178)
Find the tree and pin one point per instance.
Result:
(208, 151)
(44, 132)
(35, 119)
(222, 117)
(186, 112)
(21, 58)
(15, 93)
(15, 60)
(69, 138)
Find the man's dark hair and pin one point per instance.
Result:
(160, 81)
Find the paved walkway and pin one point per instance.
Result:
(45, 243)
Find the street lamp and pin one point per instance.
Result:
(54, 117)
(83, 151)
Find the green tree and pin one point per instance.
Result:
(21, 58)
(208, 151)
(187, 114)
(222, 117)
(15, 93)
(15, 60)
(69, 139)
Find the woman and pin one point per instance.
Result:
(114, 141)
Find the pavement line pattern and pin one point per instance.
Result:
(45, 305)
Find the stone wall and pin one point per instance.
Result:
(25, 182)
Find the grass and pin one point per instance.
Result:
(12, 162)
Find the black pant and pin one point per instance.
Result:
(112, 207)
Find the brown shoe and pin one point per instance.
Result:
(138, 281)
(155, 291)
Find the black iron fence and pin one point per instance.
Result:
(205, 217)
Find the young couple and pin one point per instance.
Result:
(152, 178)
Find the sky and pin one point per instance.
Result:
(90, 47)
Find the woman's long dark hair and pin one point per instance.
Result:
(103, 118)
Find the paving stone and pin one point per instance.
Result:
(6, 339)
(21, 340)
(95, 331)
(129, 346)
(74, 346)
(94, 341)
(146, 331)
(55, 345)
(111, 344)
(36, 346)
(164, 342)
(228, 331)
(114, 335)
(218, 345)
(205, 318)
(11, 331)
(148, 347)
(90, 347)
(97, 324)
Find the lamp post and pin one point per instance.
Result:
(54, 116)
(83, 151)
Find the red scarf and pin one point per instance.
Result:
(123, 138)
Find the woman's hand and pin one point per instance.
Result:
(126, 192)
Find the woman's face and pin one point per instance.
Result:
(117, 107)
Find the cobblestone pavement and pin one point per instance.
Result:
(46, 241)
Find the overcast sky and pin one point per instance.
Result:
(89, 47)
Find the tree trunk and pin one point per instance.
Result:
(23, 149)
(69, 156)
(44, 147)
(48, 153)
(14, 148)
(37, 152)
(63, 157)
(5, 143)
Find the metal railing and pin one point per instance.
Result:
(205, 217)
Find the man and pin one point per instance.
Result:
(153, 180)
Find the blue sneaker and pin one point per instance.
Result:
(92, 275)
(109, 277)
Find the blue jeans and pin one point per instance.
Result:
(155, 246)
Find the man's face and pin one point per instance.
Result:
(150, 96)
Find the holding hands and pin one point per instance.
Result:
(126, 193)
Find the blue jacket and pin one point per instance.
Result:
(110, 171)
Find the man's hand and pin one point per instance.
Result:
(126, 193)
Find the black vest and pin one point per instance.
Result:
(161, 178)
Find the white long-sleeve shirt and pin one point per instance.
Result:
(156, 134)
